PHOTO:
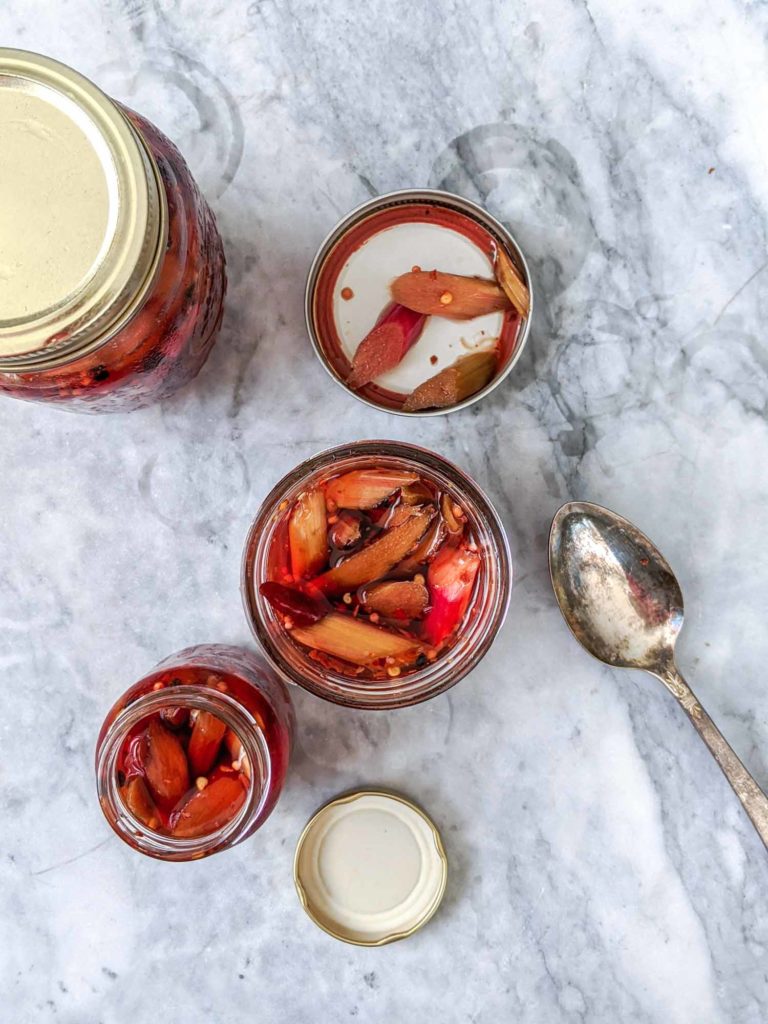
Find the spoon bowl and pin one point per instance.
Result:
(616, 591)
(624, 605)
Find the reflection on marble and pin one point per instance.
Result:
(601, 870)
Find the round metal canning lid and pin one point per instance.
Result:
(370, 868)
(82, 213)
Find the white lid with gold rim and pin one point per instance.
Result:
(370, 868)
(82, 213)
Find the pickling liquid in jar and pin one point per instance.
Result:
(376, 574)
(193, 757)
(114, 278)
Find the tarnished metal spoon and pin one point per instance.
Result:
(623, 604)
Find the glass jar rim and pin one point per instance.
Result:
(421, 684)
(79, 317)
(191, 695)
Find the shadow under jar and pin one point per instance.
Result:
(192, 758)
(402, 590)
(113, 280)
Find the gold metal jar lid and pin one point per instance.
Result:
(82, 213)
(370, 868)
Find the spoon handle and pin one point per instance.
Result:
(753, 799)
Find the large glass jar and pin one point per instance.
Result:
(193, 757)
(113, 279)
(415, 524)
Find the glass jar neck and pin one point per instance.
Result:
(134, 831)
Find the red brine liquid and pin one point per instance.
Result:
(373, 572)
(183, 772)
(206, 735)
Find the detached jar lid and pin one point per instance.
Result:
(370, 868)
(82, 213)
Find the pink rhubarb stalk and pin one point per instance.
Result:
(450, 580)
(396, 330)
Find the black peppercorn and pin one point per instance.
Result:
(152, 361)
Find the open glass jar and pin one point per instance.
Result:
(192, 758)
(402, 597)
(114, 278)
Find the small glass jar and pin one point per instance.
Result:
(115, 280)
(245, 695)
(490, 596)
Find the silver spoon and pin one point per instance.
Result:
(623, 604)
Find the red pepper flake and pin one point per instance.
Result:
(433, 360)
(347, 294)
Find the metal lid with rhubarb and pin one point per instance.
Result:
(82, 213)
(419, 302)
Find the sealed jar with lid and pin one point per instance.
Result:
(193, 757)
(111, 267)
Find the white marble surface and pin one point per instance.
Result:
(601, 870)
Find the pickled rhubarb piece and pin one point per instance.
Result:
(465, 377)
(174, 717)
(233, 744)
(139, 802)
(133, 753)
(396, 330)
(378, 558)
(396, 516)
(165, 764)
(209, 808)
(449, 295)
(453, 515)
(307, 534)
(204, 742)
(237, 753)
(510, 280)
(451, 578)
(354, 640)
(367, 488)
(404, 599)
(303, 609)
(225, 771)
(346, 531)
(424, 550)
(416, 493)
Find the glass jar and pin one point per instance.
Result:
(485, 614)
(237, 689)
(115, 279)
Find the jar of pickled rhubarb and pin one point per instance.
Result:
(111, 267)
(376, 574)
(192, 758)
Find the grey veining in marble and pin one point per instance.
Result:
(601, 869)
